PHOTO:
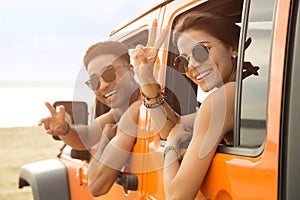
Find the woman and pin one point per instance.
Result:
(208, 47)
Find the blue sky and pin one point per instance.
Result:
(46, 39)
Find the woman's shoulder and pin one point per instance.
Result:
(222, 93)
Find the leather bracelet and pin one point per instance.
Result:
(175, 149)
(149, 98)
(68, 128)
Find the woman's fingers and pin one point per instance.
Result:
(152, 34)
(151, 54)
(162, 37)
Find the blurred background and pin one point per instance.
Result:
(42, 43)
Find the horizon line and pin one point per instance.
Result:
(36, 83)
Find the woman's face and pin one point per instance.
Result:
(217, 69)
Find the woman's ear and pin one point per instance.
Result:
(234, 50)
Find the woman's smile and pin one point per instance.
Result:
(203, 74)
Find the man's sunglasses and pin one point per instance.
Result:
(108, 76)
(200, 54)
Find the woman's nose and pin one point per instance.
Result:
(192, 64)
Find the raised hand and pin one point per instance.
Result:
(143, 58)
(56, 123)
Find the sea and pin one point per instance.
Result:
(22, 104)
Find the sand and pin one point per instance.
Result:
(21, 145)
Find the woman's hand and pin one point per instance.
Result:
(178, 135)
(56, 123)
(143, 58)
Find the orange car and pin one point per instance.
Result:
(261, 164)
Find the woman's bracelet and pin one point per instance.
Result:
(157, 95)
(68, 128)
(175, 149)
(157, 104)
(149, 98)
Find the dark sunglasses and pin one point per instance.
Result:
(200, 54)
(108, 76)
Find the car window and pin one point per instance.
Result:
(255, 88)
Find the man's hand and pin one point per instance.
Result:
(56, 123)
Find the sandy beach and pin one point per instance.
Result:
(21, 145)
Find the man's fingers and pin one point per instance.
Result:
(62, 113)
(152, 34)
(46, 122)
(41, 122)
(51, 109)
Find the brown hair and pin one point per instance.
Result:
(221, 27)
(118, 49)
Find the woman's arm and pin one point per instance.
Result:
(214, 119)
(143, 60)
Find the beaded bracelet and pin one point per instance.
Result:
(157, 104)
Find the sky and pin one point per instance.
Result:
(42, 43)
(46, 39)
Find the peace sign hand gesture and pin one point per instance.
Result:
(56, 123)
(143, 58)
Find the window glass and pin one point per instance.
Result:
(255, 88)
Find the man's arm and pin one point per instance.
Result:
(79, 137)
(104, 169)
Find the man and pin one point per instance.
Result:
(112, 80)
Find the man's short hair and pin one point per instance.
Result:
(119, 49)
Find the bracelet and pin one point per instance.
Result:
(155, 105)
(169, 148)
(68, 128)
(149, 98)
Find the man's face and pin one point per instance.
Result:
(115, 80)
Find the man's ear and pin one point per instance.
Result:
(130, 67)
(131, 70)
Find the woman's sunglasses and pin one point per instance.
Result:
(200, 54)
(108, 76)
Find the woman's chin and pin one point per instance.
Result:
(205, 88)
